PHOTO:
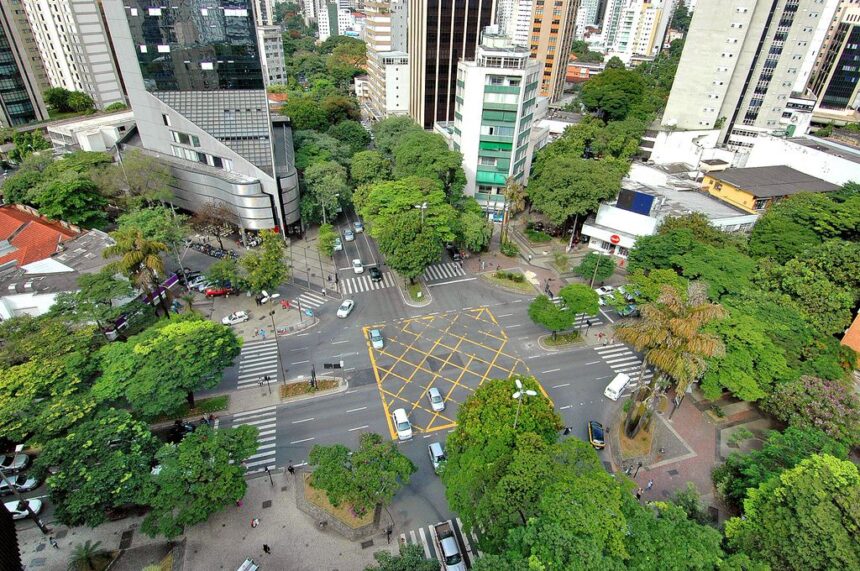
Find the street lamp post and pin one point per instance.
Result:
(422, 207)
(278, 349)
(597, 265)
(519, 395)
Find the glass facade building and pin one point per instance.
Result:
(20, 100)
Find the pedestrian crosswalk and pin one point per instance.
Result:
(258, 359)
(360, 284)
(425, 538)
(444, 271)
(622, 359)
(308, 299)
(582, 319)
(263, 419)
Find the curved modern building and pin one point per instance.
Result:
(193, 72)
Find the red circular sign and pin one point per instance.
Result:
(615, 238)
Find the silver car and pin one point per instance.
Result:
(21, 482)
(348, 235)
(345, 308)
(437, 403)
(12, 463)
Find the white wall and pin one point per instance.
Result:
(25, 304)
(629, 222)
(771, 151)
(683, 146)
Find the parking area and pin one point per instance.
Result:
(453, 351)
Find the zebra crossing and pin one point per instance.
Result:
(308, 299)
(581, 318)
(425, 538)
(622, 359)
(263, 419)
(257, 359)
(444, 271)
(360, 284)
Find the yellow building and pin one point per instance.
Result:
(755, 189)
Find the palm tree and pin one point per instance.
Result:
(139, 260)
(88, 556)
(670, 335)
(188, 298)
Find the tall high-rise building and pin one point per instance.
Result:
(20, 90)
(196, 86)
(835, 80)
(553, 23)
(387, 60)
(519, 27)
(441, 33)
(264, 12)
(739, 65)
(75, 48)
(271, 42)
(636, 28)
(586, 15)
(495, 103)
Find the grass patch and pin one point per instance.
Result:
(304, 388)
(414, 290)
(561, 261)
(636, 447)
(562, 339)
(201, 407)
(537, 236)
(522, 286)
(343, 512)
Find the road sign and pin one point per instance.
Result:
(309, 312)
(615, 238)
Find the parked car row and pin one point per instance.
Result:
(609, 294)
(15, 479)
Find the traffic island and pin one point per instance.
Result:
(560, 341)
(302, 389)
(513, 281)
(340, 519)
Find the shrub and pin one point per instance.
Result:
(509, 249)
(740, 435)
(510, 276)
(537, 236)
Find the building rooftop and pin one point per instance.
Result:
(852, 336)
(26, 238)
(86, 123)
(773, 181)
(832, 148)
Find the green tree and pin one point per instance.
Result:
(72, 198)
(547, 314)
(473, 230)
(388, 133)
(408, 244)
(326, 239)
(102, 463)
(116, 106)
(613, 93)
(155, 369)
(16, 188)
(659, 251)
(139, 180)
(340, 108)
(368, 477)
(313, 147)
(326, 181)
(410, 558)
(782, 451)
(223, 272)
(57, 99)
(94, 300)
(806, 518)
(305, 113)
(579, 298)
(572, 186)
(681, 18)
(89, 556)
(368, 167)
(197, 478)
(80, 102)
(604, 264)
(646, 288)
(724, 269)
(139, 260)
(157, 223)
(809, 402)
(27, 143)
(352, 134)
(671, 335)
(579, 48)
(266, 268)
(426, 155)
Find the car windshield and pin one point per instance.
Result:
(344, 305)
(597, 432)
(436, 398)
(402, 426)
(453, 559)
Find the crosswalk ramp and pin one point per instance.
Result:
(361, 284)
(438, 272)
(425, 537)
(258, 359)
(308, 299)
(622, 359)
(264, 420)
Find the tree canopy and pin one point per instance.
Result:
(545, 313)
(266, 267)
(426, 155)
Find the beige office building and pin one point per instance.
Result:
(552, 30)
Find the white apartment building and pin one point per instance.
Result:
(585, 16)
(635, 28)
(518, 27)
(271, 42)
(493, 116)
(75, 48)
(335, 18)
(308, 9)
(739, 66)
(264, 13)
(387, 62)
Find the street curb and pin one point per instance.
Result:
(293, 330)
(504, 288)
(411, 303)
(565, 348)
(342, 387)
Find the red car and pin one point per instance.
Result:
(216, 291)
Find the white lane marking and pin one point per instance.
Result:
(254, 412)
(339, 342)
(452, 282)
(512, 326)
(303, 420)
(606, 316)
(563, 385)
(357, 428)
(504, 315)
(357, 409)
(565, 407)
(549, 371)
(302, 334)
(594, 362)
(299, 362)
(298, 349)
(303, 440)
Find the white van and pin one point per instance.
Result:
(402, 425)
(613, 391)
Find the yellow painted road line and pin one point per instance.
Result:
(381, 395)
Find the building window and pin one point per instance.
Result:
(166, 120)
(760, 204)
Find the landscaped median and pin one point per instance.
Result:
(304, 388)
(512, 280)
(560, 340)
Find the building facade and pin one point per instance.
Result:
(441, 33)
(22, 77)
(586, 15)
(495, 104)
(195, 83)
(264, 12)
(520, 25)
(835, 80)
(755, 189)
(75, 48)
(553, 24)
(739, 65)
(271, 42)
(636, 28)
(387, 60)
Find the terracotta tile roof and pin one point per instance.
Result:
(852, 336)
(34, 239)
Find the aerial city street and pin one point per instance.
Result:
(390, 285)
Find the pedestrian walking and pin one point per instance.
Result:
(53, 542)
(530, 258)
(649, 485)
(291, 470)
(255, 522)
(267, 549)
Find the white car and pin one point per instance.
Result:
(348, 235)
(357, 266)
(236, 318)
(195, 283)
(376, 339)
(345, 308)
(437, 403)
(18, 511)
(13, 463)
(21, 482)
(359, 226)
(338, 245)
(604, 290)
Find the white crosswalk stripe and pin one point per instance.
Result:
(622, 359)
(364, 283)
(581, 318)
(263, 420)
(445, 271)
(424, 537)
(308, 299)
(258, 359)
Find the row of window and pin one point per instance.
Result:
(203, 158)
(232, 12)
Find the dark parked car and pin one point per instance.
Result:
(375, 274)
(595, 434)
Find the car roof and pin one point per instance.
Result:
(374, 331)
(436, 448)
(434, 390)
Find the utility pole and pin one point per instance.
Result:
(41, 525)
(597, 265)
